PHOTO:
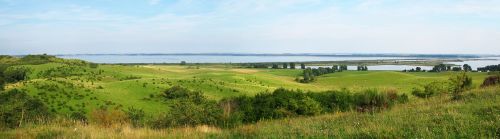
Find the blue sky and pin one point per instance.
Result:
(252, 26)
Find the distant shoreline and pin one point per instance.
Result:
(290, 54)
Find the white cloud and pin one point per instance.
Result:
(256, 26)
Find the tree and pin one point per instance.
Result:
(183, 62)
(459, 83)
(292, 65)
(467, 67)
(335, 67)
(275, 66)
(419, 69)
(303, 66)
(456, 68)
(285, 66)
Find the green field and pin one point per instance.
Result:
(65, 88)
(129, 86)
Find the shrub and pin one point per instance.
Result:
(136, 116)
(284, 103)
(431, 89)
(188, 108)
(491, 80)
(17, 107)
(185, 112)
(373, 100)
(178, 92)
(334, 100)
(459, 83)
(108, 117)
(14, 74)
(79, 116)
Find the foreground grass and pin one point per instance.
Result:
(475, 116)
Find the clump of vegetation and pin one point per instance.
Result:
(15, 74)
(431, 89)
(108, 117)
(491, 81)
(459, 83)
(309, 74)
(18, 108)
(188, 108)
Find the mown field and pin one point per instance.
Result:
(67, 87)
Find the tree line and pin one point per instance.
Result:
(442, 68)
(310, 74)
(489, 68)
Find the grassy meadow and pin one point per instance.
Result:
(65, 87)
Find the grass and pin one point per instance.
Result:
(475, 116)
(126, 86)
(73, 88)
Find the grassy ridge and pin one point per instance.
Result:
(476, 116)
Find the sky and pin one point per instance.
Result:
(249, 26)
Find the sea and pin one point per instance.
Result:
(189, 58)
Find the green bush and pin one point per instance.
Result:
(459, 83)
(178, 92)
(373, 100)
(15, 74)
(17, 107)
(431, 89)
(185, 112)
(284, 103)
(136, 116)
(188, 108)
(334, 100)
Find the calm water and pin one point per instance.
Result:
(249, 59)
(212, 59)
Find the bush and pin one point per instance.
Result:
(431, 89)
(491, 81)
(459, 83)
(284, 103)
(15, 74)
(334, 100)
(178, 92)
(185, 112)
(108, 117)
(17, 107)
(188, 108)
(79, 116)
(373, 100)
(136, 116)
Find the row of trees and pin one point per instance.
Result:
(292, 65)
(489, 68)
(310, 74)
(443, 67)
